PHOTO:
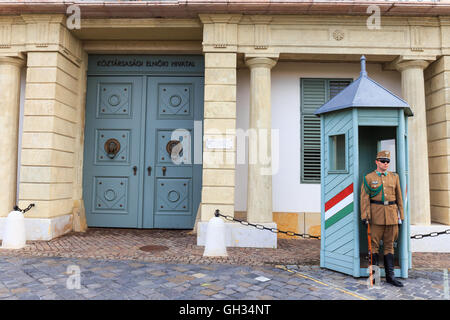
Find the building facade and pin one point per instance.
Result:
(90, 110)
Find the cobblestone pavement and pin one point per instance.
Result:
(112, 266)
(54, 278)
(181, 245)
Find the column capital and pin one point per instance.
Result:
(267, 61)
(12, 61)
(220, 18)
(43, 18)
(410, 62)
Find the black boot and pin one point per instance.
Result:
(389, 269)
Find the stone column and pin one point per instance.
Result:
(413, 91)
(9, 129)
(259, 190)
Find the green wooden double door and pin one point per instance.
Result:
(139, 169)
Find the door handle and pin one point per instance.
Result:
(149, 170)
(134, 170)
(112, 147)
(164, 169)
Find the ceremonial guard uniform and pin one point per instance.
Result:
(382, 207)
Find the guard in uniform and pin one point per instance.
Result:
(382, 207)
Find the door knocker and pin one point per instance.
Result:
(172, 144)
(112, 147)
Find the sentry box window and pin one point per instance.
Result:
(337, 153)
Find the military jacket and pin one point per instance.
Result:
(378, 213)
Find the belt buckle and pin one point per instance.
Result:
(386, 203)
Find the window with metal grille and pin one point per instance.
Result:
(314, 93)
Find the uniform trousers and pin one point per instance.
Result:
(387, 233)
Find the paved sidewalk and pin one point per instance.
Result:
(53, 278)
(112, 266)
(181, 245)
(125, 244)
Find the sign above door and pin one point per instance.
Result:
(153, 64)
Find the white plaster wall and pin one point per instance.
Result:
(289, 195)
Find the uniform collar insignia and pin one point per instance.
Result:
(379, 173)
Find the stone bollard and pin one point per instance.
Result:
(14, 235)
(215, 239)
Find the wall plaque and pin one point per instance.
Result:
(219, 143)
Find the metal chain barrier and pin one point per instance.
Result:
(16, 208)
(261, 227)
(307, 236)
(431, 234)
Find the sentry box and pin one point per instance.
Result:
(361, 120)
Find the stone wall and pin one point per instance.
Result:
(219, 122)
(437, 88)
(53, 120)
(50, 127)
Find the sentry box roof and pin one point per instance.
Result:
(364, 92)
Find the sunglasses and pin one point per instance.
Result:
(384, 160)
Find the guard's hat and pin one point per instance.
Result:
(384, 154)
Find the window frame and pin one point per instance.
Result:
(338, 171)
(302, 113)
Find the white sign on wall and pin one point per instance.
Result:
(219, 143)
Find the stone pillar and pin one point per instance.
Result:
(9, 128)
(79, 211)
(437, 86)
(413, 91)
(219, 123)
(51, 113)
(49, 142)
(259, 190)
